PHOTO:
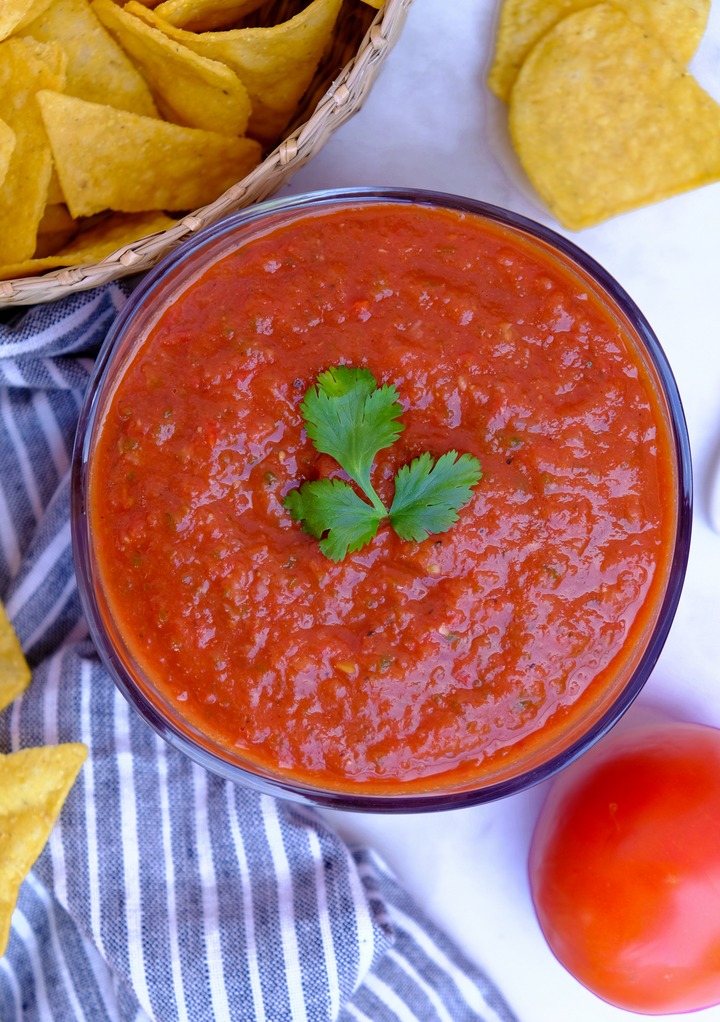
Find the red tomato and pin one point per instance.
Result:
(625, 868)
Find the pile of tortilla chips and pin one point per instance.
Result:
(604, 115)
(116, 115)
(34, 784)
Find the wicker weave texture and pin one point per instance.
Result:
(363, 38)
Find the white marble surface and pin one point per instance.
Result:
(430, 122)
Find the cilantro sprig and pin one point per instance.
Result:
(350, 418)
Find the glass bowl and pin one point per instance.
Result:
(452, 746)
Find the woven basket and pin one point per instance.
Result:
(363, 38)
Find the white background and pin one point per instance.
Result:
(431, 122)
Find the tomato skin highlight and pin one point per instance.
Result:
(625, 868)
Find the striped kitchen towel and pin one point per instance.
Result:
(164, 892)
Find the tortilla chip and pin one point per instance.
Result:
(204, 15)
(110, 159)
(98, 70)
(34, 784)
(276, 65)
(26, 66)
(36, 8)
(7, 145)
(604, 121)
(678, 25)
(55, 193)
(189, 89)
(15, 14)
(14, 670)
(92, 245)
(56, 218)
(56, 229)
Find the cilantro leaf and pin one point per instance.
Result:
(331, 506)
(428, 495)
(349, 418)
(340, 380)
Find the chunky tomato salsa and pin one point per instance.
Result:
(408, 664)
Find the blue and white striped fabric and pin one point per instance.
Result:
(164, 892)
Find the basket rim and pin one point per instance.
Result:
(343, 98)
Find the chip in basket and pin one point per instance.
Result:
(275, 64)
(34, 784)
(97, 68)
(604, 120)
(55, 229)
(7, 145)
(25, 67)
(92, 244)
(678, 25)
(189, 89)
(204, 15)
(112, 159)
(15, 14)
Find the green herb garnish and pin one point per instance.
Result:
(350, 418)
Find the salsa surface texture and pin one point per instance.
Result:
(407, 665)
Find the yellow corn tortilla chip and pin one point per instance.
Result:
(93, 244)
(56, 229)
(676, 24)
(56, 218)
(34, 784)
(36, 8)
(189, 89)
(14, 670)
(604, 121)
(54, 193)
(204, 15)
(26, 66)
(111, 159)
(275, 64)
(97, 70)
(15, 14)
(7, 145)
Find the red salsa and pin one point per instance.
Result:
(407, 665)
